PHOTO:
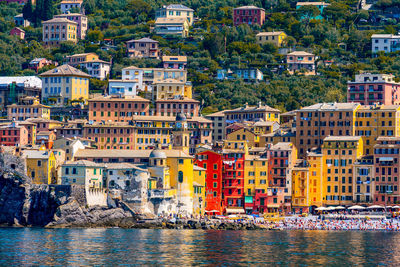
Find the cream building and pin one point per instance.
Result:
(59, 30)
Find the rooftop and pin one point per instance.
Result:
(282, 146)
(269, 33)
(59, 20)
(143, 40)
(247, 108)
(178, 7)
(119, 99)
(300, 53)
(65, 70)
(36, 154)
(312, 4)
(26, 81)
(125, 153)
(174, 58)
(330, 107)
(249, 7)
(184, 99)
(342, 138)
(170, 20)
(85, 163)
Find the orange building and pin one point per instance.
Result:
(173, 106)
(117, 109)
(13, 135)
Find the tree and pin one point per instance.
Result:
(308, 12)
(27, 11)
(95, 36)
(89, 6)
(48, 10)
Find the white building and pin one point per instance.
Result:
(98, 69)
(385, 42)
(66, 5)
(129, 85)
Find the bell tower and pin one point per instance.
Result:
(181, 134)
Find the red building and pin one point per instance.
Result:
(387, 168)
(368, 89)
(233, 180)
(18, 32)
(13, 135)
(212, 162)
(46, 138)
(248, 15)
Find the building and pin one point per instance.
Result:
(59, 30)
(363, 180)
(46, 138)
(173, 106)
(23, 111)
(176, 11)
(248, 15)
(143, 48)
(31, 127)
(316, 195)
(368, 89)
(153, 75)
(300, 187)
(69, 145)
(171, 89)
(251, 113)
(13, 135)
(174, 62)
(255, 184)
(20, 21)
(77, 59)
(82, 172)
(385, 43)
(40, 166)
(14, 88)
(117, 109)
(375, 121)
(82, 21)
(199, 192)
(320, 5)
(276, 38)
(218, 120)
(314, 123)
(64, 85)
(279, 135)
(66, 5)
(45, 124)
(20, 33)
(212, 163)
(340, 153)
(98, 69)
(37, 63)
(172, 27)
(301, 62)
(386, 165)
(248, 75)
(281, 160)
(129, 85)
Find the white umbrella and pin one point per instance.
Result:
(375, 207)
(396, 207)
(339, 208)
(389, 207)
(331, 208)
(356, 207)
(321, 208)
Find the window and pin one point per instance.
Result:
(180, 176)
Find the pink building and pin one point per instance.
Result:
(368, 89)
(80, 19)
(13, 135)
(38, 63)
(387, 167)
(171, 107)
(248, 15)
(18, 32)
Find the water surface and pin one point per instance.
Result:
(36, 246)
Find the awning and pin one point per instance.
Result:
(235, 210)
(386, 159)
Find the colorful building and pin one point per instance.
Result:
(80, 19)
(363, 180)
(340, 153)
(173, 106)
(40, 166)
(252, 113)
(301, 62)
(248, 15)
(255, 184)
(65, 85)
(171, 89)
(370, 89)
(276, 38)
(172, 27)
(199, 192)
(174, 62)
(143, 48)
(176, 11)
(300, 187)
(13, 135)
(20, 33)
(83, 172)
(211, 161)
(77, 59)
(27, 110)
(59, 30)
(319, 5)
(66, 5)
(316, 196)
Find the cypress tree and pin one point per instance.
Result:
(48, 9)
(27, 11)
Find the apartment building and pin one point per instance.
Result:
(23, 111)
(249, 15)
(174, 62)
(363, 180)
(301, 62)
(369, 89)
(80, 19)
(77, 59)
(276, 38)
(171, 89)
(13, 135)
(314, 123)
(385, 43)
(252, 113)
(66, 5)
(59, 30)
(143, 48)
(173, 106)
(172, 27)
(218, 120)
(176, 11)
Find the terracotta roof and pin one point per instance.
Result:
(65, 70)
(184, 99)
(300, 53)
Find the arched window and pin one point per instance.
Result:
(180, 176)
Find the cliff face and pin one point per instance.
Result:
(25, 204)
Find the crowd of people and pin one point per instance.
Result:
(343, 225)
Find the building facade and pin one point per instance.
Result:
(248, 15)
(59, 30)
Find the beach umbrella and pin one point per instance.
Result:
(340, 208)
(375, 207)
(389, 207)
(320, 208)
(356, 207)
(396, 207)
(330, 208)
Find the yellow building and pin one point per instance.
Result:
(277, 136)
(25, 111)
(245, 135)
(276, 38)
(82, 172)
(171, 88)
(315, 188)
(199, 191)
(175, 27)
(300, 186)
(374, 121)
(40, 166)
(59, 30)
(77, 59)
(65, 85)
(176, 11)
(340, 153)
(255, 175)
